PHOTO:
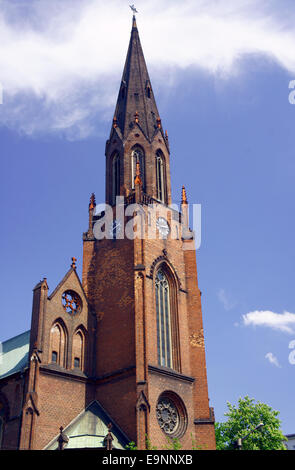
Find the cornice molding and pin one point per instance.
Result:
(169, 373)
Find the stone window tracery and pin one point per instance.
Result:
(171, 414)
(72, 303)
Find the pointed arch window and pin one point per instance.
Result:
(164, 326)
(160, 176)
(137, 155)
(58, 345)
(115, 177)
(78, 350)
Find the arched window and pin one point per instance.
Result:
(78, 350)
(160, 176)
(137, 155)
(164, 326)
(115, 177)
(58, 345)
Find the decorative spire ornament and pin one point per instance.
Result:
(183, 196)
(92, 202)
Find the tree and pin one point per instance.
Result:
(244, 418)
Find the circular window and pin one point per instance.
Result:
(71, 302)
(171, 414)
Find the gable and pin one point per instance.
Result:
(89, 429)
(70, 281)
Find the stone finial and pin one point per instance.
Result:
(62, 439)
(136, 117)
(183, 196)
(73, 265)
(92, 202)
(108, 440)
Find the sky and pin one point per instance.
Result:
(221, 72)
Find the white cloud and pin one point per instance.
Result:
(61, 61)
(272, 359)
(284, 322)
(225, 299)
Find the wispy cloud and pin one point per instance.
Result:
(284, 322)
(272, 359)
(61, 61)
(225, 299)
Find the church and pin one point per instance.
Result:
(119, 355)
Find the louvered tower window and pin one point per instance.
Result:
(137, 155)
(160, 177)
(115, 177)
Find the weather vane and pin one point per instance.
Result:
(133, 8)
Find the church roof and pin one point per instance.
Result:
(14, 354)
(89, 429)
(136, 94)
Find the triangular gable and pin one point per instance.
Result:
(71, 271)
(89, 429)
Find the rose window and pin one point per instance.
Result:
(171, 414)
(71, 302)
(167, 415)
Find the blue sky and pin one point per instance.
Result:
(220, 71)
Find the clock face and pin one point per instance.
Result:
(115, 229)
(163, 226)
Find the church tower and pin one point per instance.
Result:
(150, 368)
(120, 356)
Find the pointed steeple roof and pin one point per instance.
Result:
(136, 95)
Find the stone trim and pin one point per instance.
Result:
(169, 373)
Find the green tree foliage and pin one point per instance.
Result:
(244, 418)
(131, 446)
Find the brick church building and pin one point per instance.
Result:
(119, 355)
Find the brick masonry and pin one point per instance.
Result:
(117, 311)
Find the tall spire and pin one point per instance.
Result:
(136, 94)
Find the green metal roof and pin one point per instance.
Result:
(14, 354)
(89, 429)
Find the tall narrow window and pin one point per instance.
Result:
(78, 350)
(137, 156)
(164, 339)
(58, 345)
(160, 172)
(115, 177)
